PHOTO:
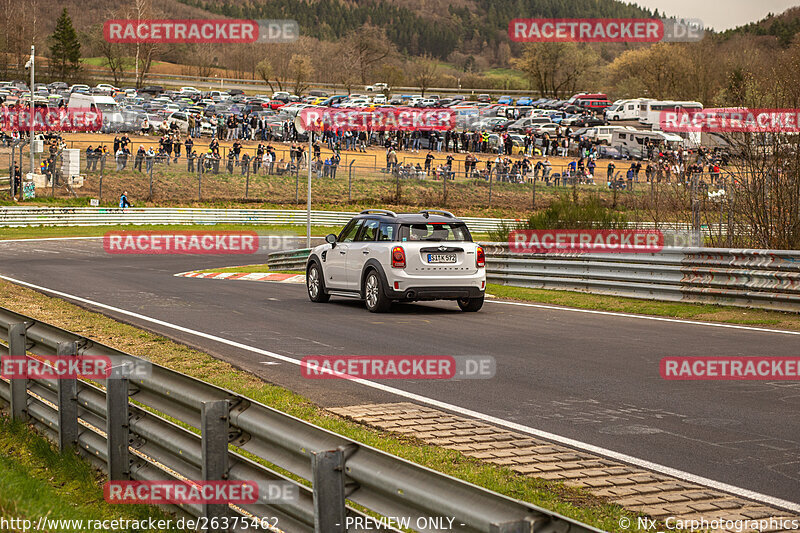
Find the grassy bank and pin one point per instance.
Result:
(36, 481)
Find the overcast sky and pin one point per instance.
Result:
(720, 14)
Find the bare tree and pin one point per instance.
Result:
(556, 69)
(114, 54)
(423, 72)
(370, 46)
(145, 52)
(301, 70)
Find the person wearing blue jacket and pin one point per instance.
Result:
(123, 200)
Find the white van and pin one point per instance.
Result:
(604, 134)
(632, 143)
(624, 110)
(107, 106)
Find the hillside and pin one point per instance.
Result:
(783, 27)
(418, 27)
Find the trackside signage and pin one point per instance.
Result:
(376, 119)
(610, 30)
(397, 367)
(585, 241)
(730, 368)
(181, 242)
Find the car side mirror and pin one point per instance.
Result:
(331, 239)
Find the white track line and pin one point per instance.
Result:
(646, 317)
(2, 241)
(686, 476)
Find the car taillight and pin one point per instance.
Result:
(480, 259)
(398, 257)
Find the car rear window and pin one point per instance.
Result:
(435, 232)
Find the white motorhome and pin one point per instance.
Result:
(633, 143)
(604, 134)
(624, 110)
(650, 110)
(107, 106)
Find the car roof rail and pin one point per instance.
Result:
(426, 213)
(378, 211)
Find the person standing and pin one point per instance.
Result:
(17, 183)
(189, 144)
(428, 161)
(177, 147)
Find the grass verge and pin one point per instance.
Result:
(617, 304)
(571, 502)
(36, 480)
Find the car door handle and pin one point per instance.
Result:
(365, 252)
(342, 252)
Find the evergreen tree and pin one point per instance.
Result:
(65, 48)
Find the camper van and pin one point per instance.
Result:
(113, 120)
(624, 110)
(632, 143)
(650, 110)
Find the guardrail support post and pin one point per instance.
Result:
(17, 340)
(117, 433)
(214, 428)
(67, 402)
(329, 498)
(523, 526)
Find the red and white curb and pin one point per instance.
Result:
(274, 277)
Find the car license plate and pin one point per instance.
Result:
(441, 258)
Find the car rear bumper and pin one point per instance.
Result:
(436, 293)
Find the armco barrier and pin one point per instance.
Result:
(17, 216)
(762, 279)
(136, 441)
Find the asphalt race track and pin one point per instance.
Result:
(592, 377)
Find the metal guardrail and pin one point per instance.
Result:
(19, 216)
(16, 216)
(289, 260)
(136, 441)
(762, 279)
